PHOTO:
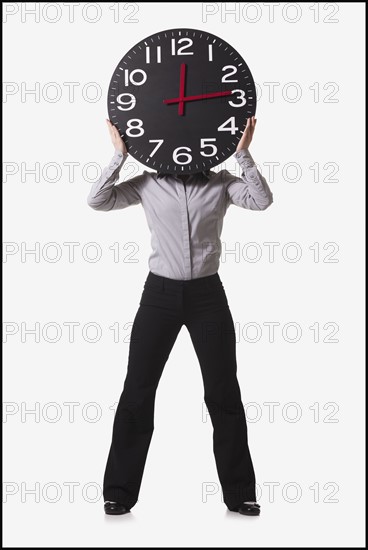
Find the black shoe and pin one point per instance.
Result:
(248, 509)
(115, 508)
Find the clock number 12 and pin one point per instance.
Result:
(181, 51)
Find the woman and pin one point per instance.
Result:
(185, 216)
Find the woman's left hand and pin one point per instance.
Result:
(247, 136)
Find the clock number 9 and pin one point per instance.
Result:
(130, 104)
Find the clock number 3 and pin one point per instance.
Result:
(241, 98)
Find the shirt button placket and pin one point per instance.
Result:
(185, 228)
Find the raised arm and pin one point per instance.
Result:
(251, 189)
(104, 194)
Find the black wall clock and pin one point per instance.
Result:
(180, 99)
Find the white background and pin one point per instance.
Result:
(316, 463)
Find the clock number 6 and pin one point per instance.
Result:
(177, 154)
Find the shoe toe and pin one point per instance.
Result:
(249, 509)
(115, 508)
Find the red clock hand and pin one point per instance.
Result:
(181, 89)
(182, 99)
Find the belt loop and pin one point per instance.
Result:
(163, 283)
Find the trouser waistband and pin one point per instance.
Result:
(165, 282)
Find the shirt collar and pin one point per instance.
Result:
(204, 175)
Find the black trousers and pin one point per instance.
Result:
(166, 304)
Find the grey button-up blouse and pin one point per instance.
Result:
(185, 219)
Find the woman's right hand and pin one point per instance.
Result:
(117, 141)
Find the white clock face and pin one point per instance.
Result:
(180, 99)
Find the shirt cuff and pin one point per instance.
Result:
(250, 173)
(118, 159)
(119, 153)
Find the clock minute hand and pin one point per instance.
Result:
(181, 99)
(183, 68)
